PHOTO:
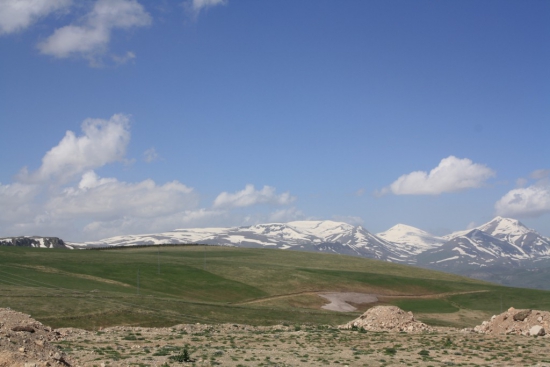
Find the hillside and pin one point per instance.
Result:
(209, 284)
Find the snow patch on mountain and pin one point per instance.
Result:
(411, 239)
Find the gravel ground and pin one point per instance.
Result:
(282, 345)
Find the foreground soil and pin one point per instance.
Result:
(238, 345)
(281, 345)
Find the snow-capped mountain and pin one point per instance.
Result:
(502, 250)
(323, 236)
(473, 248)
(501, 238)
(515, 233)
(411, 239)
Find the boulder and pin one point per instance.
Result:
(522, 315)
(537, 330)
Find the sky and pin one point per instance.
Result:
(140, 116)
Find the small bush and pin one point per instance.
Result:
(183, 357)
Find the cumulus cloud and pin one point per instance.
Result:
(451, 175)
(107, 198)
(16, 201)
(250, 196)
(90, 37)
(104, 141)
(531, 201)
(16, 15)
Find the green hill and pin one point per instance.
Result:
(189, 284)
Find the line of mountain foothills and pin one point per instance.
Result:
(503, 250)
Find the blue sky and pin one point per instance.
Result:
(127, 116)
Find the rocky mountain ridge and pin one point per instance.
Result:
(34, 241)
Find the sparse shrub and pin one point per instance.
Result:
(183, 357)
(424, 352)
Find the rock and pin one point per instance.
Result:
(537, 330)
(522, 315)
(28, 329)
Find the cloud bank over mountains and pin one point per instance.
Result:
(66, 195)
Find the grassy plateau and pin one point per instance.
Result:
(168, 285)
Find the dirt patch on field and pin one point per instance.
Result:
(339, 300)
(46, 269)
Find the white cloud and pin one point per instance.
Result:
(195, 6)
(98, 199)
(91, 36)
(451, 175)
(250, 196)
(531, 201)
(104, 141)
(16, 15)
(150, 155)
(64, 197)
(16, 201)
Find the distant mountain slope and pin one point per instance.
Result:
(473, 248)
(515, 233)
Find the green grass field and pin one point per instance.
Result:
(92, 289)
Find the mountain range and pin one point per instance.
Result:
(502, 250)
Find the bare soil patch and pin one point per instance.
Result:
(339, 300)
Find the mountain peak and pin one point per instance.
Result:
(416, 240)
(500, 225)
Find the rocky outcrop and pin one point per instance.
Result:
(26, 342)
(517, 322)
(35, 241)
(387, 318)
